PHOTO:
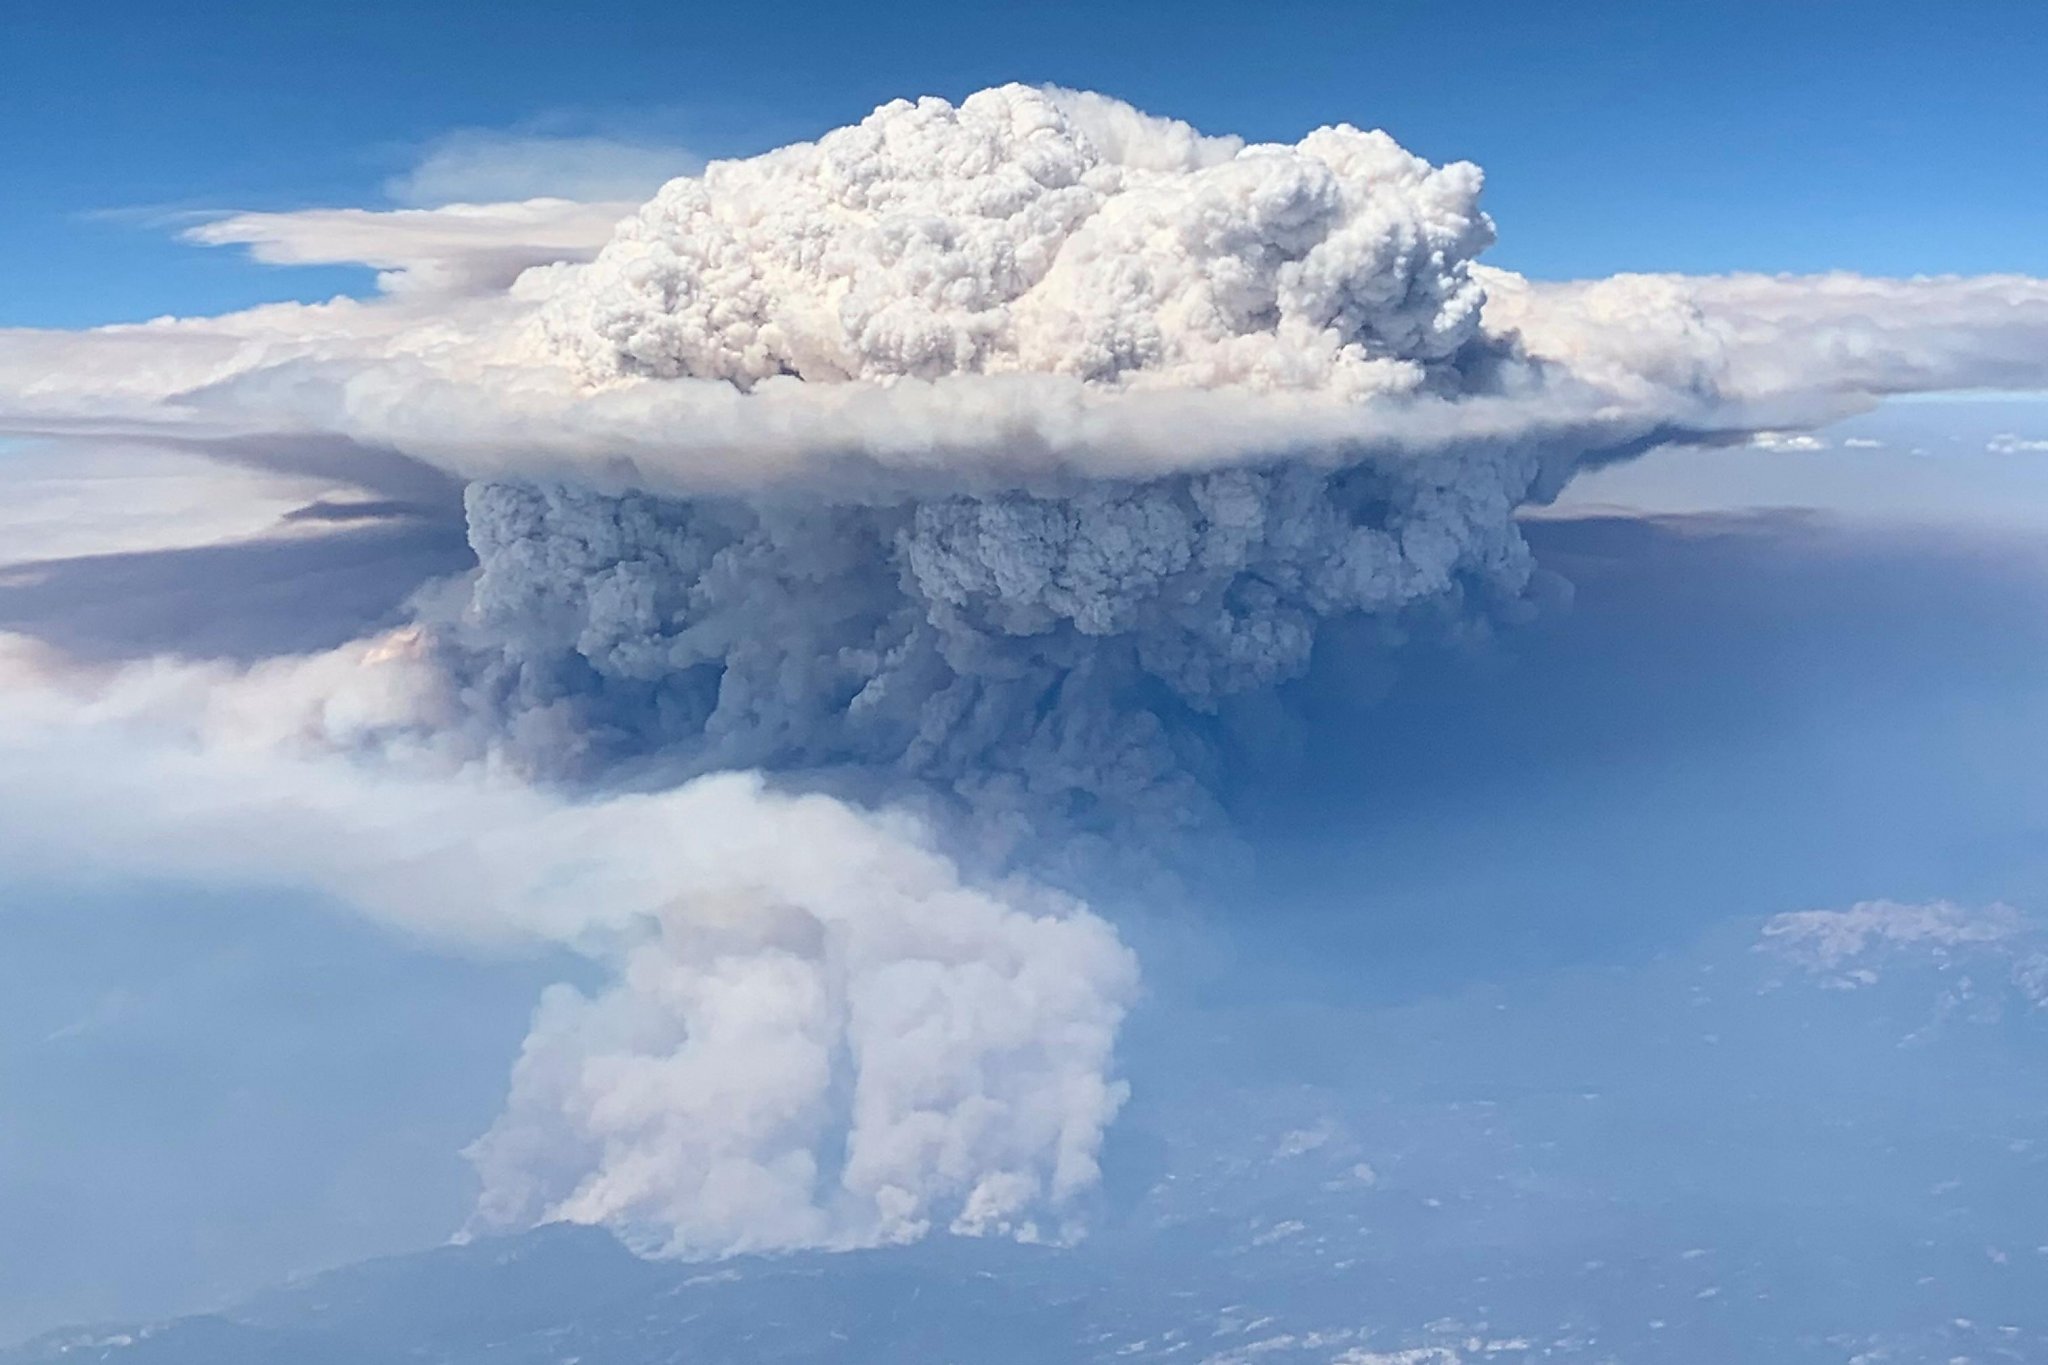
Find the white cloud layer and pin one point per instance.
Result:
(1850, 949)
(455, 249)
(1829, 938)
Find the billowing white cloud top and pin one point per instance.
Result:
(1046, 232)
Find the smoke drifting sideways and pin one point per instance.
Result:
(987, 453)
(817, 1033)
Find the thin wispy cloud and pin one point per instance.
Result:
(495, 166)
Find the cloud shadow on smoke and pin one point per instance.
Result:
(1738, 715)
(379, 473)
(242, 600)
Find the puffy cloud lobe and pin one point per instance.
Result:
(1048, 232)
(902, 1052)
(817, 1033)
(1807, 347)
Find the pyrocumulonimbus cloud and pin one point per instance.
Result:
(981, 450)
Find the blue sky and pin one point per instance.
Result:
(1889, 138)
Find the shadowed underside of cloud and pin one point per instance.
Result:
(241, 600)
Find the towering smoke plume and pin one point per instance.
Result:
(989, 450)
(1033, 649)
(899, 1052)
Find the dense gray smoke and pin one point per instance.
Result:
(1033, 654)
